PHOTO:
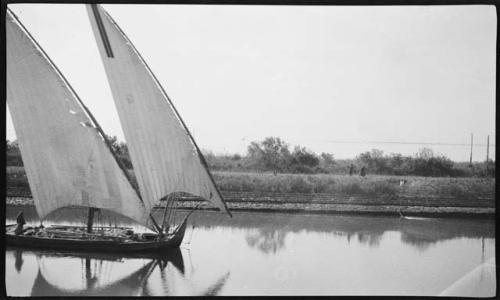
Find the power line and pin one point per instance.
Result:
(405, 143)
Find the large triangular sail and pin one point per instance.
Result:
(165, 157)
(66, 160)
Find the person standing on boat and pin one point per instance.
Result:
(20, 223)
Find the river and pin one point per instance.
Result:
(268, 254)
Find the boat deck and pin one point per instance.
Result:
(119, 234)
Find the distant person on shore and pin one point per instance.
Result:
(20, 223)
(351, 170)
(362, 172)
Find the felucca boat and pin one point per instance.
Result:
(70, 162)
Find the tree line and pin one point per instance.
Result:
(275, 155)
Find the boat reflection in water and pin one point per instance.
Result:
(88, 274)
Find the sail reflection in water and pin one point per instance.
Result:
(105, 275)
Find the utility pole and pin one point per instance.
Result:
(471, 143)
(487, 155)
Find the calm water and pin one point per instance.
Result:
(268, 254)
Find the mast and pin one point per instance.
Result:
(90, 218)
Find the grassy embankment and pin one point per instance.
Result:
(371, 186)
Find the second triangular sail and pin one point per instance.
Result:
(164, 156)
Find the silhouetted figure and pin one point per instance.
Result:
(20, 223)
(363, 172)
(351, 170)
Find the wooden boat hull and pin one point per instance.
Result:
(174, 241)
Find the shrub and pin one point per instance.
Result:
(272, 154)
(375, 161)
(427, 164)
(299, 185)
(351, 188)
(303, 157)
(301, 169)
(381, 188)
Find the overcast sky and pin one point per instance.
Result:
(314, 76)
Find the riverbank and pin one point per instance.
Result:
(334, 204)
